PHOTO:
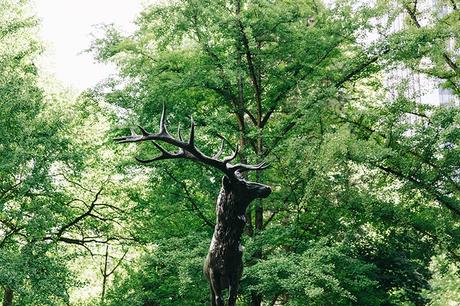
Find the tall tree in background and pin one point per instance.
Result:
(25, 148)
(54, 197)
(303, 86)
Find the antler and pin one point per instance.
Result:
(187, 150)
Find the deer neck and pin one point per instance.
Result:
(230, 211)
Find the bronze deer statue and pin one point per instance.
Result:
(224, 265)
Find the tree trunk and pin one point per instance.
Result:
(240, 116)
(243, 48)
(104, 274)
(7, 296)
(256, 299)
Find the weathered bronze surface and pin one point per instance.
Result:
(224, 265)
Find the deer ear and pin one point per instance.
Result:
(226, 182)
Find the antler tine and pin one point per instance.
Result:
(233, 156)
(244, 167)
(162, 150)
(163, 129)
(144, 132)
(131, 138)
(164, 155)
(179, 133)
(191, 140)
(146, 161)
(221, 150)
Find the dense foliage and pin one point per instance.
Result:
(366, 198)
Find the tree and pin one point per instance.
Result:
(302, 89)
(49, 203)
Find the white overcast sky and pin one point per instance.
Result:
(66, 26)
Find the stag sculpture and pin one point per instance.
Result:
(224, 265)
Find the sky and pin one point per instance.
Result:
(66, 26)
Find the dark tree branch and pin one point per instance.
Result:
(191, 200)
(413, 15)
(283, 93)
(251, 67)
(118, 263)
(10, 189)
(76, 183)
(227, 92)
(9, 234)
(407, 150)
(80, 217)
(360, 68)
(451, 204)
(251, 116)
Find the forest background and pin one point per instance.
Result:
(366, 194)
